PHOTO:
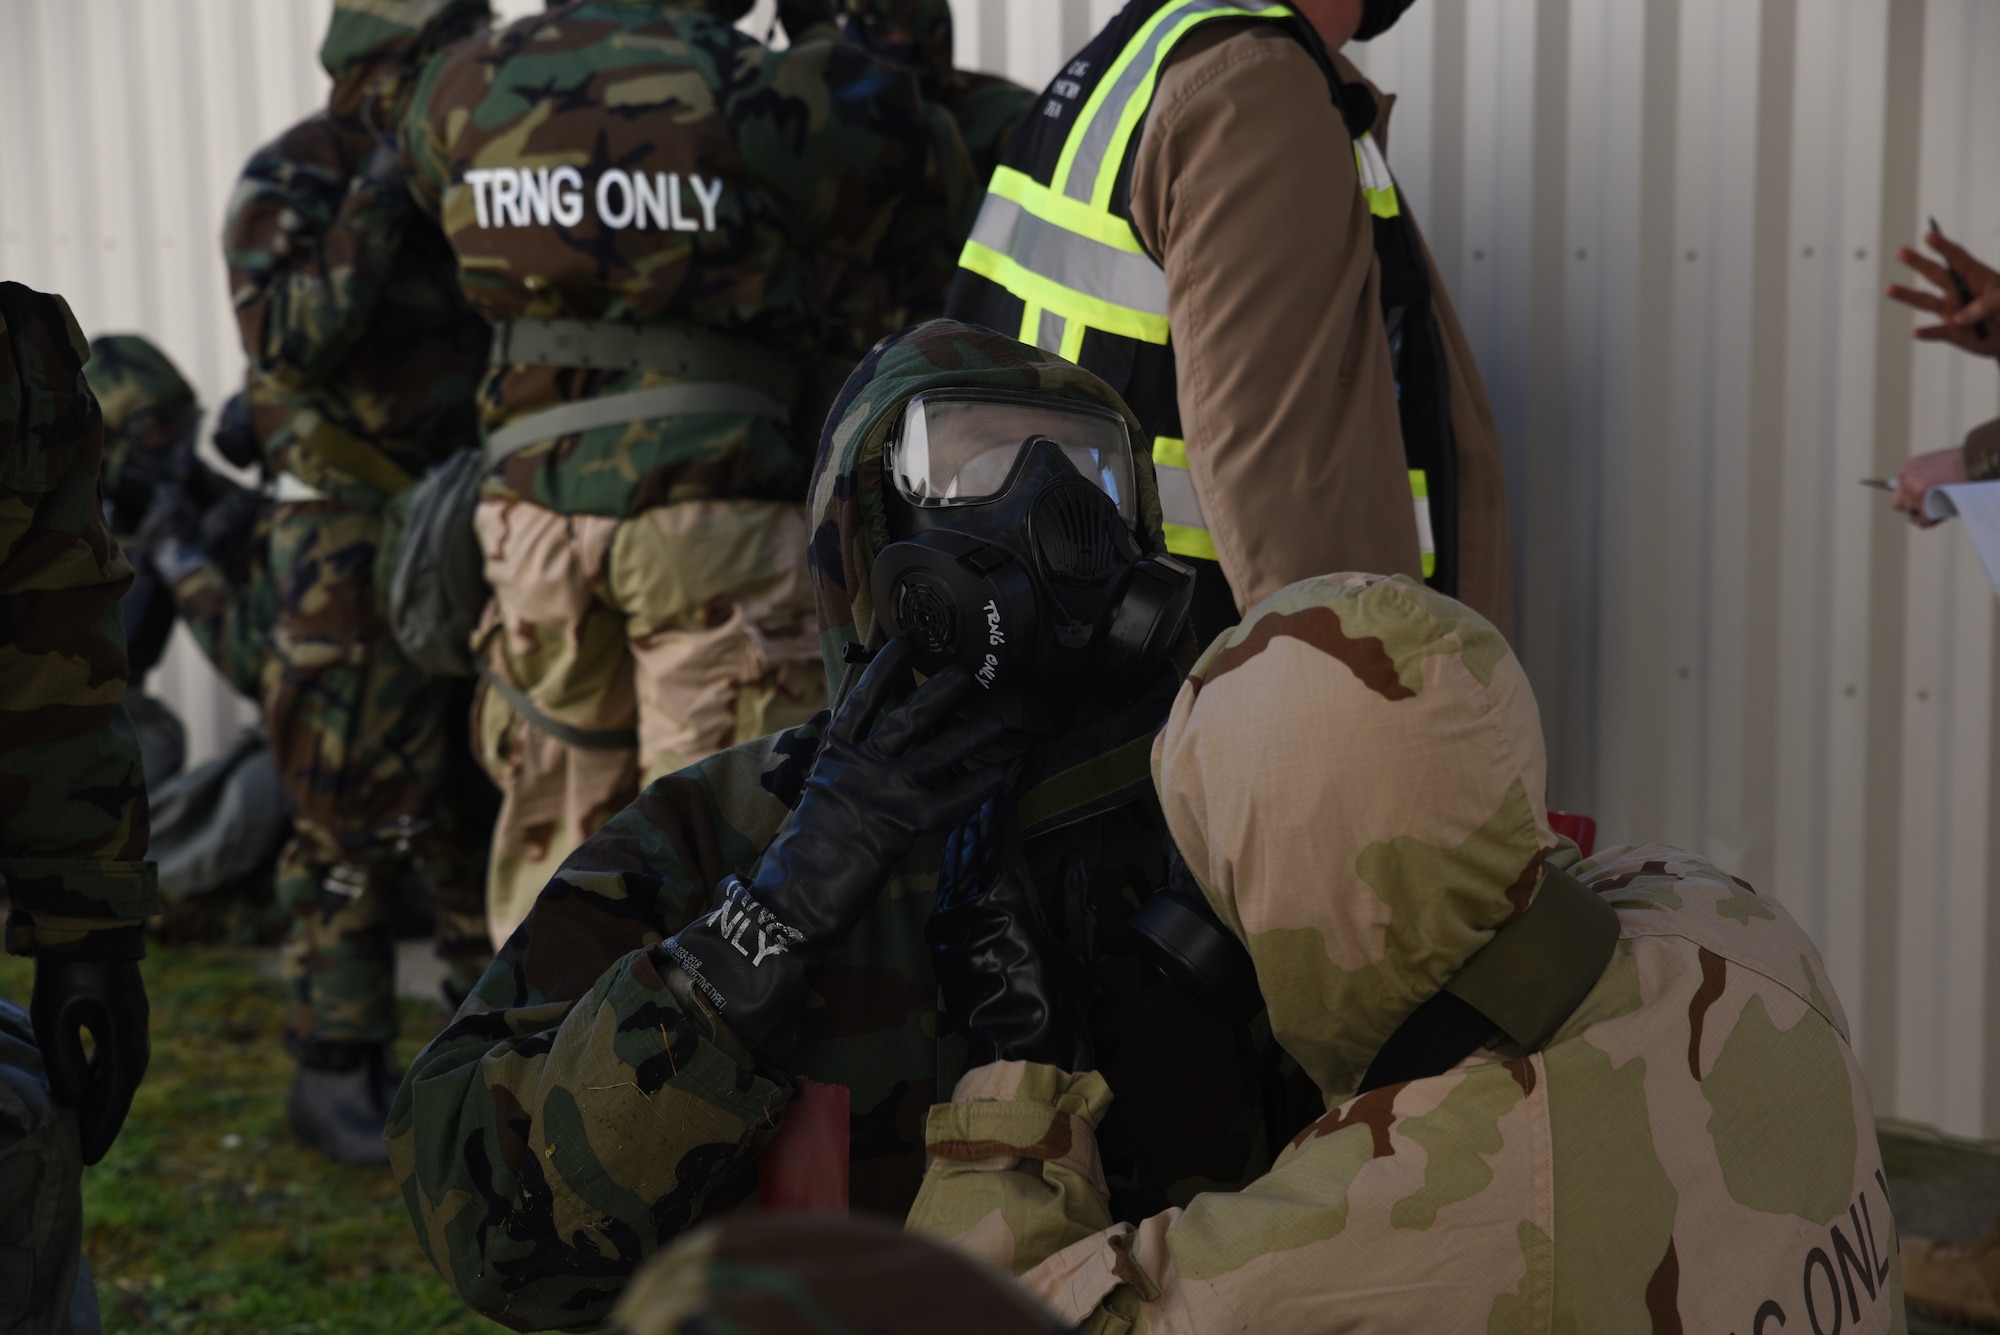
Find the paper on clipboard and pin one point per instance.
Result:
(1978, 504)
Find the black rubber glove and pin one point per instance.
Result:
(107, 997)
(228, 524)
(1007, 981)
(171, 533)
(874, 788)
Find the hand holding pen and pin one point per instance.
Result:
(1964, 295)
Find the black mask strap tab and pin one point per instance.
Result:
(1188, 942)
(1524, 983)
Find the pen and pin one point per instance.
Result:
(1879, 483)
(1958, 282)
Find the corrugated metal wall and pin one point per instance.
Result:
(1666, 224)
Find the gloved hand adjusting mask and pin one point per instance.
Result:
(1016, 553)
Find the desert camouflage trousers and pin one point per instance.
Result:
(644, 644)
(363, 748)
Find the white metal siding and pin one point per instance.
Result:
(1665, 224)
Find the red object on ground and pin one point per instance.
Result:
(804, 1168)
(1581, 829)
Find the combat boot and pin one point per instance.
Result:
(340, 1100)
(1957, 1282)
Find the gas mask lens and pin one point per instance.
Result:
(960, 448)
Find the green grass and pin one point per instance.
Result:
(205, 1217)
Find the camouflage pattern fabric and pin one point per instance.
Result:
(918, 33)
(801, 1275)
(231, 609)
(577, 1116)
(148, 406)
(1693, 1149)
(647, 162)
(364, 361)
(73, 823)
(373, 34)
(363, 750)
(346, 298)
(689, 626)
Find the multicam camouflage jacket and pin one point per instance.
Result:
(576, 1116)
(346, 297)
(1693, 1149)
(642, 161)
(73, 825)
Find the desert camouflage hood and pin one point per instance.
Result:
(368, 32)
(849, 524)
(1356, 776)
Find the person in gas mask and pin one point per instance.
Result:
(917, 34)
(1201, 211)
(1613, 1094)
(980, 514)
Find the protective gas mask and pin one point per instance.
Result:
(1015, 553)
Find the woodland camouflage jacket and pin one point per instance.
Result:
(646, 162)
(1355, 776)
(575, 1116)
(73, 821)
(347, 298)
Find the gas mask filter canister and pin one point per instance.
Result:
(1016, 555)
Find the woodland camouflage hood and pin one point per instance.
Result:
(849, 523)
(1355, 775)
(368, 32)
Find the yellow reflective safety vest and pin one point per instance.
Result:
(1054, 261)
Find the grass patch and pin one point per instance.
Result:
(206, 1217)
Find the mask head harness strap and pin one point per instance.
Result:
(1524, 983)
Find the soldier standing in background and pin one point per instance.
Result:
(641, 199)
(150, 419)
(73, 827)
(917, 34)
(201, 541)
(350, 313)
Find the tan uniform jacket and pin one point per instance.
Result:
(1286, 395)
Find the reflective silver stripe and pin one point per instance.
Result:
(1049, 333)
(1095, 144)
(1076, 262)
(1177, 499)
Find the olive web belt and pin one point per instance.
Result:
(586, 739)
(634, 406)
(725, 375)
